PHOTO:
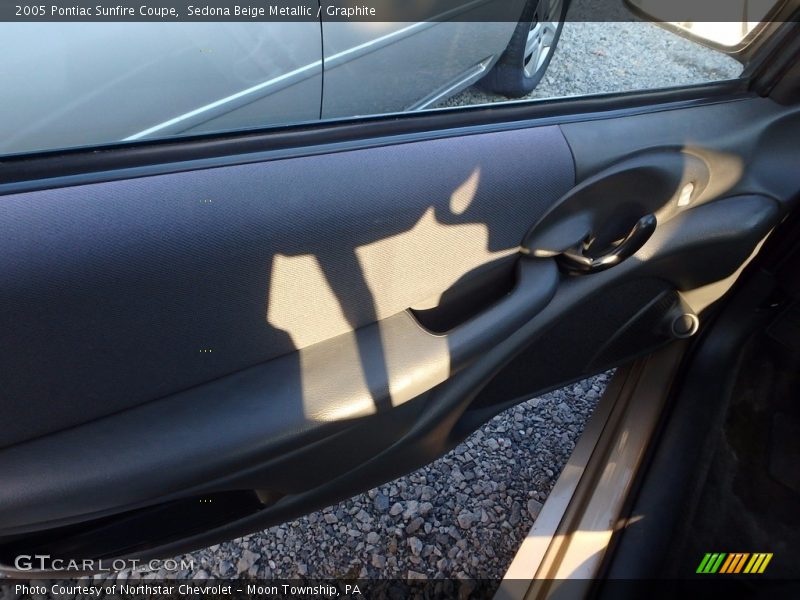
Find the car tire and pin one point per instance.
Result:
(524, 62)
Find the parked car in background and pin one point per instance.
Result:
(86, 85)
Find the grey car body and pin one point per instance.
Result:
(106, 82)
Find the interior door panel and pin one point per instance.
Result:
(120, 293)
(282, 334)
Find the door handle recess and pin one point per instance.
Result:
(575, 260)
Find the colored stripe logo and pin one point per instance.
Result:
(736, 562)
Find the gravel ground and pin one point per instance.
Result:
(463, 516)
(597, 58)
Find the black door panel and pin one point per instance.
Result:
(119, 293)
(252, 417)
(280, 335)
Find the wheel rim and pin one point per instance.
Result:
(541, 36)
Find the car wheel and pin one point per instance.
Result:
(524, 62)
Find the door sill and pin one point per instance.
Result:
(569, 539)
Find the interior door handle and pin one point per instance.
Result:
(574, 260)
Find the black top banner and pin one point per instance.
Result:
(385, 10)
